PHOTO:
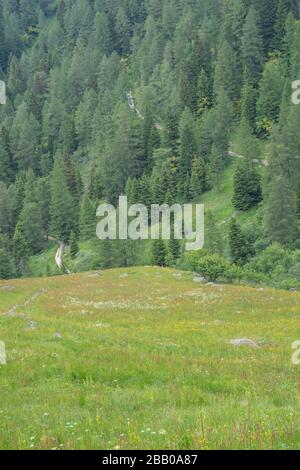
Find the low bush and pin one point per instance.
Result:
(212, 267)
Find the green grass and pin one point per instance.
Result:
(43, 264)
(220, 202)
(144, 362)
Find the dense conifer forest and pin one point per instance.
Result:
(159, 100)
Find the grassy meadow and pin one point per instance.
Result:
(141, 359)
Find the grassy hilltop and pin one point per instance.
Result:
(141, 359)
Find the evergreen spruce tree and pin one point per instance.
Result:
(108, 254)
(204, 93)
(6, 211)
(187, 188)
(72, 177)
(249, 96)
(171, 135)
(101, 34)
(267, 17)
(21, 250)
(188, 148)
(5, 264)
(74, 248)
(3, 50)
(188, 86)
(227, 75)
(95, 187)
(281, 186)
(62, 207)
(44, 196)
(247, 188)
(151, 139)
(159, 253)
(252, 47)
(6, 161)
(289, 44)
(87, 219)
(248, 144)
(7, 269)
(288, 151)
(240, 248)
(17, 191)
(197, 186)
(122, 32)
(205, 131)
(16, 84)
(222, 121)
(174, 249)
(31, 215)
(214, 243)
(270, 97)
(24, 138)
(216, 166)
(158, 189)
(234, 19)
(283, 8)
(145, 196)
(281, 224)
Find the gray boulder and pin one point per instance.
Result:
(244, 342)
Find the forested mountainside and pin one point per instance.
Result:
(204, 75)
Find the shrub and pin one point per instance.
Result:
(275, 260)
(192, 258)
(234, 273)
(212, 267)
(250, 276)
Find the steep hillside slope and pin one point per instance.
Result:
(148, 98)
